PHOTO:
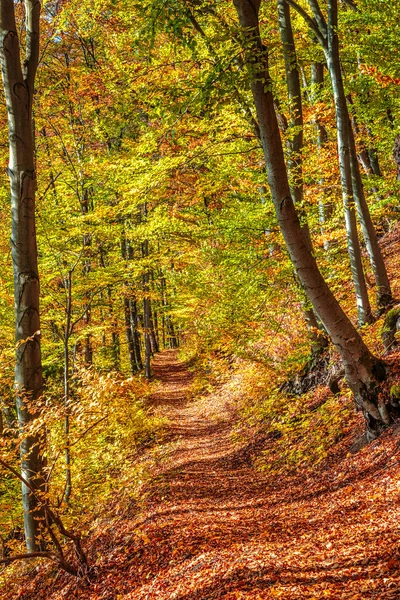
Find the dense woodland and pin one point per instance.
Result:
(199, 237)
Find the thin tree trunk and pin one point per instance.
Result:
(115, 345)
(67, 332)
(317, 81)
(349, 169)
(383, 292)
(344, 150)
(295, 165)
(295, 160)
(87, 242)
(374, 159)
(146, 314)
(129, 336)
(130, 316)
(135, 333)
(19, 89)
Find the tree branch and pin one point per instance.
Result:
(319, 17)
(10, 559)
(32, 20)
(351, 5)
(309, 20)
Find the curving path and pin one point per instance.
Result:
(213, 527)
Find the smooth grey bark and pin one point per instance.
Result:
(317, 82)
(353, 193)
(383, 292)
(331, 50)
(363, 371)
(18, 82)
(362, 152)
(295, 160)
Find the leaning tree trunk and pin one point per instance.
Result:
(363, 370)
(18, 85)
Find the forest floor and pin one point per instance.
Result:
(211, 526)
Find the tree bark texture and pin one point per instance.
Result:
(18, 82)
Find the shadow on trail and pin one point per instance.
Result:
(210, 517)
(246, 580)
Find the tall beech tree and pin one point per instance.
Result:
(18, 82)
(363, 371)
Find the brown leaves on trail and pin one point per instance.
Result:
(212, 527)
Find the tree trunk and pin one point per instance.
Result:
(135, 333)
(67, 333)
(331, 50)
(131, 316)
(352, 188)
(147, 324)
(19, 88)
(295, 166)
(295, 161)
(317, 81)
(129, 336)
(363, 370)
(147, 327)
(383, 292)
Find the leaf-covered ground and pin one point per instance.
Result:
(211, 526)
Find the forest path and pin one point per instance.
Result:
(213, 527)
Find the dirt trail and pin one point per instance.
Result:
(209, 526)
(213, 527)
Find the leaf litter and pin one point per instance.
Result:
(210, 525)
